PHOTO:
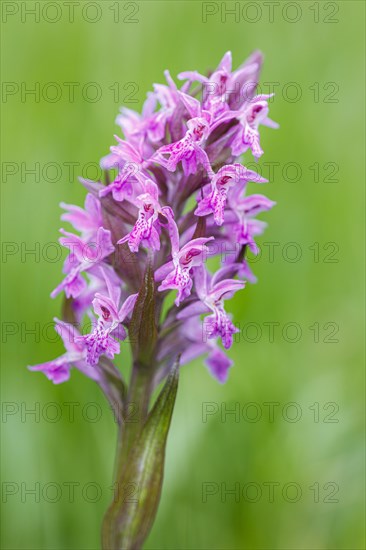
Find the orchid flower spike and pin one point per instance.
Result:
(180, 198)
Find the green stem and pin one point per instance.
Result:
(138, 398)
(136, 408)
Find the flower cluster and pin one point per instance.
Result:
(178, 202)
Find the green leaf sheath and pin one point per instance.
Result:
(142, 330)
(138, 489)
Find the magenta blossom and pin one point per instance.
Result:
(58, 370)
(87, 220)
(211, 292)
(251, 116)
(149, 127)
(128, 160)
(216, 360)
(145, 230)
(225, 90)
(84, 255)
(110, 316)
(178, 202)
(226, 178)
(188, 150)
(177, 273)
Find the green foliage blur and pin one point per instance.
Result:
(285, 471)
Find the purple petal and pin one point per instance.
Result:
(197, 308)
(127, 306)
(219, 364)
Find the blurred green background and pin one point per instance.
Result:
(313, 441)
